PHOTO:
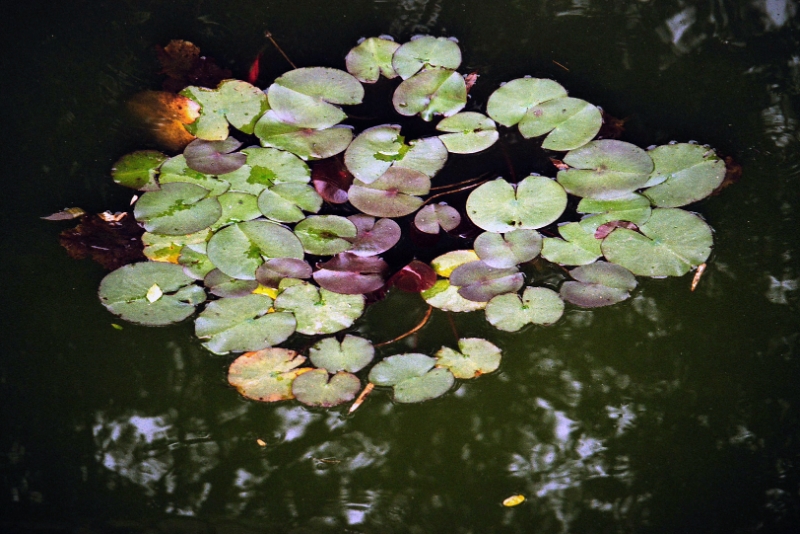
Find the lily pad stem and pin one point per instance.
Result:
(268, 35)
(413, 330)
(458, 190)
(457, 184)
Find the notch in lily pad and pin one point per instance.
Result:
(508, 250)
(598, 284)
(350, 274)
(373, 236)
(578, 247)
(683, 173)
(319, 311)
(474, 357)
(371, 59)
(425, 51)
(432, 217)
(606, 169)
(479, 282)
(214, 157)
(305, 143)
(538, 305)
(431, 92)
(468, 132)
(352, 354)
(568, 122)
(318, 388)
(393, 194)
(412, 377)
(233, 101)
(499, 206)
(138, 170)
(510, 102)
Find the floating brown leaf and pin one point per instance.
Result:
(612, 127)
(112, 244)
(164, 114)
(182, 63)
(604, 229)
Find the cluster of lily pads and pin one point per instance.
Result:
(247, 234)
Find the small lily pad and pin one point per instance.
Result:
(510, 102)
(271, 272)
(314, 389)
(569, 122)
(670, 243)
(242, 324)
(138, 170)
(124, 293)
(633, 208)
(374, 236)
(424, 51)
(414, 277)
(685, 173)
(371, 59)
(538, 305)
(498, 206)
(352, 354)
(233, 101)
(469, 132)
(286, 202)
(598, 284)
(433, 91)
(479, 282)
(350, 274)
(509, 249)
(214, 157)
(325, 235)
(177, 209)
(606, 169)
(319, 311)
(445, 264)
(266, 375)
(305, 143)
(434, 216)
(412, 376)
(577, 248)
(445, 297)
(476, 357)
(393, 194)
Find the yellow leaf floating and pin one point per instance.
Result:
(268, 291)
(514, 500)
(154, 293)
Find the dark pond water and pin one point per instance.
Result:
(671, 412)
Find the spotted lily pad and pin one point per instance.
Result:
(175, 170)
(315, 389)
(433, 91)
(424, 51)
(124, 293)
(236, 207)
(670, 243)
(319, 311)
(138, 170)
(177, 209)
(633, 207)
(233, 101)
(508, 250)
(569, 123)
(538, 305)
(684, 173)
(479, 282)
(350, 274)
(271, 272)
(374, 236)
(352, 354)
(325, 235)
(598, 284)
(371, 59)
(214, 157)
(242, 324)
(238, 249)
(577, 248)
(469, 132)
(498, 206)
(393, 194)
(474, 357)
(434, 216)
(306, 143)
(306, 97)
(286, 202)
(509, 104)
(168, 248)
(606, 169)
(266, 375)
(412, 376)
(265, 168)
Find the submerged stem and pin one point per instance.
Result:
(413, 330)
(268, 35)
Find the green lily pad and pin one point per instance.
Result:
(434, 216)
(412, 376)
(510, 102)
(266, 167)
(238, 249)
(306, 97)
(685, 173)
(509, 249)
(236, 207)
(598, 284)
(242, 324)
(168, 248)
(175, 170)
(325, 235)
(352, 354)
(393, 194)
(195, 264)
(371, 59)
(538, 305)
(319, 311)
(479, 282)
(433, 91)
(233, 101)
(633, 207)
(314, 389)
(671, 243)
(222, 285)
(606, 169)
(445, 297)
(476, 357)
(470, 132)
(569, 123)
(424, 51)
(498, 206)
(177, 209)
(138, 170)
(266, 375)
(306, 143)
(577, 248)
(286, 202)
(125, 293)
(214, 157)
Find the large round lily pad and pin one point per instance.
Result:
(150, 293)
(510, 102)
(305, 97)
(538, 305)
(325, 235)
(393, 194)
(474, 357)
(499, 206)
(685, 173)
(138, 170)
(433, 91)
(569, 123)
(424, 51)
(412, 376)
(598, 284)
(319, 311)
(214, 157)
(266, 375)
(508, 250)
(469, 132)
(352, 354)
(671, 243)
(177, 209)
(371, 59)
(233, 101)
(578, 247)
(176, 170)
(606, 169)
(305, 143)
(314, 389)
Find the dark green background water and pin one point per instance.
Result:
(671, 412)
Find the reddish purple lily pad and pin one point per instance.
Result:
(349, 274)
(214, 157)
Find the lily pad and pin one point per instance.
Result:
(352, 354)
(236, 207)
(266, 375)
(445, 297)
(479, 282)
(319, 311)
(271, 272)
(242, 324)
(433, 91)
(476, 357)
(445, 264)
(394, 194)
(373, 236)
(577, 248)
(267, 167)
(306, 97)
(233, 101)
(177, 209)
(286, 202)
(214, 157)
(195, 264)
(314, 389)
(606, 169)
(510, 102)
(138, 170)
(414, 277)
(168, 248)
(538, 305)
(175, 170)
(306, 143)
(350, 274)
(498, 206)
(325, 235)
(222, 285)
(569, 122)
(238, 249)
(670, 243)
(470, 132)
(434, 216)
(412, 376)
(509, 249)
(424, 51)
(124, 293)
(371, 59)
(598, 284)
(685, 173)
(633, 208)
